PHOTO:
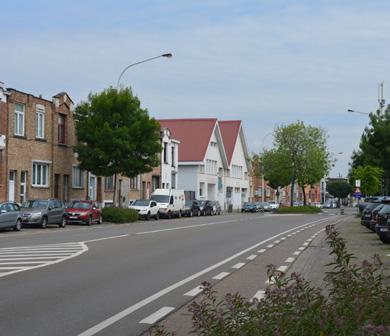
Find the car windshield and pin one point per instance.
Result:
(247, 204)
(36, 204)
(371, 206)
(80, 205)
(189, 203)
(141, 203)
(160, 198)
(385, 209)
(202, 203)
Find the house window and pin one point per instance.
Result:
(61, 129)
(40, 175)
(19, 120)
(77, 177)
(40, 122)
(201, 187)
(109, 183)
(173, 156)
(236, 171)
(165, 152)
(213, 144)
(134, 183)
(211, 166)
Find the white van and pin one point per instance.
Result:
(170, 201)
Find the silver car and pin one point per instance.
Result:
(43, 212)
(10, 216)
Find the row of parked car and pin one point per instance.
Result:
(259, 206)
(150, 208)
(376, 217)
(43, 212)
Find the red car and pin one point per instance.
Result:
(83, 212)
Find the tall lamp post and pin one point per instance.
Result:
(168, 55)
(353, 111)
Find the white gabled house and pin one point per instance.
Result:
(212, 159)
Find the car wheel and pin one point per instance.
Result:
(157, 216)
(190, 214)
(148, 216)
(63, 222)
(43, 223)
(90, 222)
(169, 215)
(384, 238)
(18, 225)
(100, 220)
(179, 215)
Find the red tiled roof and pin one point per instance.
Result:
(229, 130)
(194, 136)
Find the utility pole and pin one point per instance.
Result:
(381, 99)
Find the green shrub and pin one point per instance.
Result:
(119, 215)
(357, 303)
(307, 209)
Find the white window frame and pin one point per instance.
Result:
(19, 116)
(40, 174)
(77, 181)
(40, 122)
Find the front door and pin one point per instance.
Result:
(92, 187)
(23, 187)
(56, 185)
(11, 186)
(65, 188)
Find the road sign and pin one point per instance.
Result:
(357, 183)
(357, 192)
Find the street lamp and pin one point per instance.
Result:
(168, 55)
(353, 111)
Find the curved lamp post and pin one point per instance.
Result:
(353, 111)
(168, 55)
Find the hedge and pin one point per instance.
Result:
(119, 215)
(308, 209)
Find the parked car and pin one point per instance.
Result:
(191, 208)
(10, 216)
(264, 206)
(374, 216)
(170, 201)
(205, 208)
(249, 207)
(367, 214)
(83, 212)
(382, 224)
(43, 212)
(216, 208)
(316, 204)
(273, 205)
(146, 209)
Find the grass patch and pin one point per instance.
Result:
(299, 209)
(119, 215)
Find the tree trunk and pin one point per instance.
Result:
(304, 195)
(292, 193)
(114, 196)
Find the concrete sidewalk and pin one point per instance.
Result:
(361, 242)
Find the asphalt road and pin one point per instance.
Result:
(119, 279)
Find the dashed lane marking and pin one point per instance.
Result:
(221, 275)
(290, 260)
(252, 257)
(195, 291)
(270, 246)
(238, 265)
(283, 268)
(297, 253)
(158, 315)
(261, 251)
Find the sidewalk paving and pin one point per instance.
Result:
(361, 242)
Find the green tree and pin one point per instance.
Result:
(115, 135)
(300, 155)
(339, 189)
(374, 148)
(370, 179)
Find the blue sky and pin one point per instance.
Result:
(268, 63)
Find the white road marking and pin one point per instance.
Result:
(115, 318)
(297, 253)
(283, 268)
(100, 239)
(159, 314)
(239, 265)
(259, 295)
(309, 240)
(289, 260)
(270, 281)
(195, 291)
(289, 235)
(277, 241)
(252, 257)
(305, 244)
(270, 246)
(283, 238)
(221, 275)
(301, 248)
(261, 251)
(37, 256)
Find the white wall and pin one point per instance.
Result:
(167, 169)
(188, 178)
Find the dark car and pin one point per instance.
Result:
(216, 208)
(206, 208)
(83, 212)
(382, 224)
(367, 213)
(191, 208)
(10, 216)
(374, 217)
(249, 207)
(43, 212)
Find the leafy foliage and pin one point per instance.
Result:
(358, 303)
(374, 148)
(370, 179)
(339, 189)
(299, 209)
(115, 135)
(119, 215)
